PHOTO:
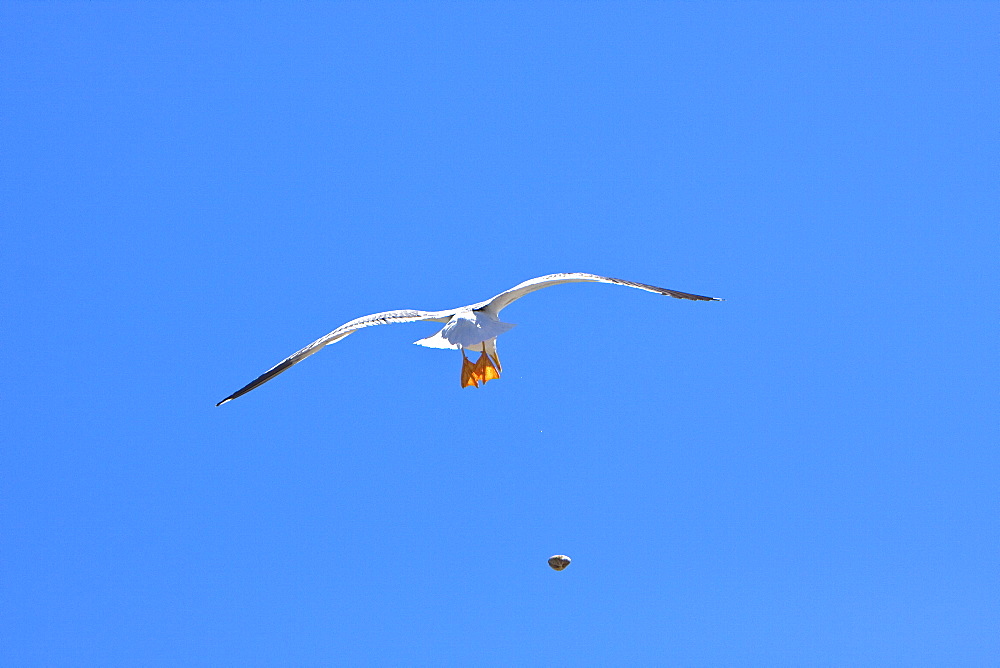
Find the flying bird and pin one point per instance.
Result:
(474, 328)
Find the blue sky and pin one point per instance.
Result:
(804, 474)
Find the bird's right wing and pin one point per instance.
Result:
(385, 318)
(505, 298)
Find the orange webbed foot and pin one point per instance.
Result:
(485, 369)
(469, 376)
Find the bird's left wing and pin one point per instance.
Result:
(385, 318)
(505, 298)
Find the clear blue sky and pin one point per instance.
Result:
(805, 474)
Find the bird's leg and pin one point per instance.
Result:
(485, 370)
(491, 350)
(468, 372)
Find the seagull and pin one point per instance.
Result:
(474, 328)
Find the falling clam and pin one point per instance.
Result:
(559, 561)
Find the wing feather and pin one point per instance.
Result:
(384, 318)
(504, 299)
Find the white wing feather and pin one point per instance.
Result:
(504, 299)
(384, 318)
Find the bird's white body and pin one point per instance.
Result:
(474, 327)
(467, 330)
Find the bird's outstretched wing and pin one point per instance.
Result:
(385, 318)
(505, 298)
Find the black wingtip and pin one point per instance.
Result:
(677, 294)
(260, 380)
